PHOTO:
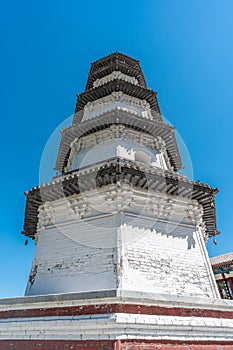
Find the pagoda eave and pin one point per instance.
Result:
(115, 62)
(112, 171)
(119, 117)
(118, 85)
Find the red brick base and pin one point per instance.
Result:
(111, 345)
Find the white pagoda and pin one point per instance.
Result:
(120, 233)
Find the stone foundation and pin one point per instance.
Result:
(132, 321)
(111, 345)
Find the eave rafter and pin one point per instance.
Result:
(118, 85)
(112, 171)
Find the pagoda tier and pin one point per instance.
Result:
(114, 170)
(117, 85)
(116, 62)
(119, 117)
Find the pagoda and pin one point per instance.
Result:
(120, 233)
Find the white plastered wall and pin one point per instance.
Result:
(127, 247)
(118, 148)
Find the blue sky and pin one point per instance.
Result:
(186, 53)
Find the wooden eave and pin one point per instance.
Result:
(114, 57)
(118, 85)
(223, 263)
(154, 128)
(115, 62)
(112, 171)
(106, 70)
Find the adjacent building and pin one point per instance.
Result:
(223, 272)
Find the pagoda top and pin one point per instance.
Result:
(115, 62)
(116, 89)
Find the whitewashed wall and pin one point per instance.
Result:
(165, 259)
(129, 246)
(74, 258)
(118, 148)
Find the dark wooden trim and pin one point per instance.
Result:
(119, 169)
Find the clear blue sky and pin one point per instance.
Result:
(186, 52)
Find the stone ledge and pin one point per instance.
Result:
(114, 296)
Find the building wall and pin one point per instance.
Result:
(225, 286)
(223, 272)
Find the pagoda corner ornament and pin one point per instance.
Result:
(120, 233)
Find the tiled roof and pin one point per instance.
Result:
(222, 258)
(115, 62)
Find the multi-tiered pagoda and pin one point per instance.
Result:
(120, 234)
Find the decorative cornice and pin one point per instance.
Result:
(115, 75)
(117, 101)
(116, 198)
(118, 132)
(52, 213)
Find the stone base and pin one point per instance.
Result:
(131, 321)
(111, 345)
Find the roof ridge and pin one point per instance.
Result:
(115, 53)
